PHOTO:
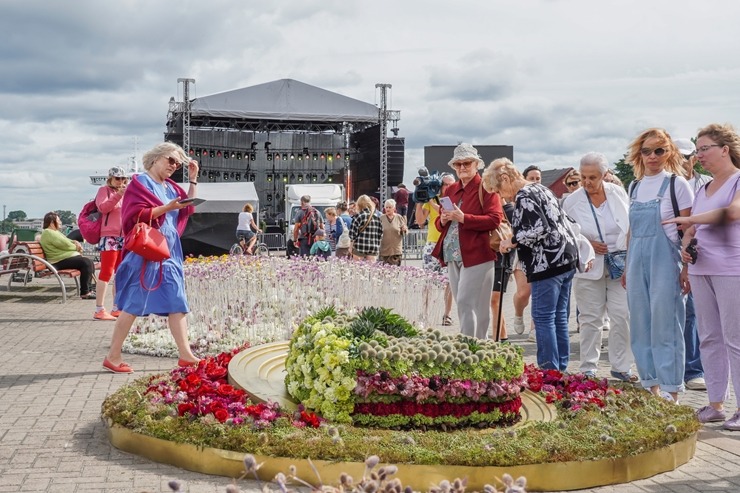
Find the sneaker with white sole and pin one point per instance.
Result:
(733, 424)
(697, 383)
(519, 324)
(532, 336)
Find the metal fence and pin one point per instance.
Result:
(274, 241)
(413, 243)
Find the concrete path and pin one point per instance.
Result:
(52, 386)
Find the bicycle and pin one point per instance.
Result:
(260, 247)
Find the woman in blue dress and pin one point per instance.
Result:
(145, 287)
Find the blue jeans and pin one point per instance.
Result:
(550, 300)
(694, 369)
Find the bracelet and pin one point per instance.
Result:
(193, 182)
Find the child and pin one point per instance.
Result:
(320, 247)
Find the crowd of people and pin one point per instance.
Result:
(657, 263)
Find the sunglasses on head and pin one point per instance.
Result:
(175, 162)
(658, 151)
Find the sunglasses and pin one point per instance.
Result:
(174, 162)
(573, 183)
(658, 152)
(466, 164)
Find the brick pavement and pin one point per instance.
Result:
(52, 386)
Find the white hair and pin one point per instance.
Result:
(595, 159)
(389, 202)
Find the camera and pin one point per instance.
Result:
(691, 250)
(427, 186)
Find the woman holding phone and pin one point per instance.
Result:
(153, 287)
(468, 213)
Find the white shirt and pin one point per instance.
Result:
(648, 190)
(615, 210)
(245, 221)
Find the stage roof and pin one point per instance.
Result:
(284, 100)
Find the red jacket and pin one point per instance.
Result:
(478, 222)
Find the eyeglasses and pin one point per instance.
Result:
(463, 164)
(573, 183)
(705, 148)
(174, 162)
(658, 152)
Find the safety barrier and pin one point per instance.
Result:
(274, 241)
(413, 243)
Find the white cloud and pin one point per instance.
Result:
(555, 79)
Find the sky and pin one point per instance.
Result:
(85, 84)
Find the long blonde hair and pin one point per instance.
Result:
(673, 160)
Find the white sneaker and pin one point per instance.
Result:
(519, 324)
(532, 336)
(697, 383)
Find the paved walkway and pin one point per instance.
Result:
(52, 386)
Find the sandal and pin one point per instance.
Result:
(88, 296)
(625, 376)
(446, 320)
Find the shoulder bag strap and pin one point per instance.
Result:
(596, 220)
(674, 203)
(369, 218)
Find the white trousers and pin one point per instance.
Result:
(595, 300)
(471, 287)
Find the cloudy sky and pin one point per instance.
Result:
(83, 80)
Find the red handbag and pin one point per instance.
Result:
(149, 243)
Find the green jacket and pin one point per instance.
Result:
(57, 247)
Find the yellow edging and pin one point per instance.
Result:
(555, 476)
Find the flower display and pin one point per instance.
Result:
(203, 392)
(572, 392)
(260, 299)
(372, 368)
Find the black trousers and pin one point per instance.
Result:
(86, 267)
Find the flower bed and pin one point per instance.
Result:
(376, 369)
(595, 421)
(238, 298)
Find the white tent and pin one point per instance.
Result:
(286, 100)
(227, 197)
(211, 230)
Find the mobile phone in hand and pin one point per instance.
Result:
(446, 204)
(192, 200)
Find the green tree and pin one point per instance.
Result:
(17, 216)
(67, 217)
(624, 172)
(6, 226)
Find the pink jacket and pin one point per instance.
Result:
(109, 204)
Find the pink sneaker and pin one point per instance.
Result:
(708, 414)
(116, 313)
(733, 424)
(103, 315)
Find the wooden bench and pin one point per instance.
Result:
(28, 257)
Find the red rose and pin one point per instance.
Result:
(221, 415)
(185, 407)
(225, 390)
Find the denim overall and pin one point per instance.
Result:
(656, 305)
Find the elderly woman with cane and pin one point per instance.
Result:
(467, 215)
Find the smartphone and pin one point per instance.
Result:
(446, 203)
(192, 201)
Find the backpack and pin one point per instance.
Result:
(90, 222)
(312, 223)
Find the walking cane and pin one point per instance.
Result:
(500, 300)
